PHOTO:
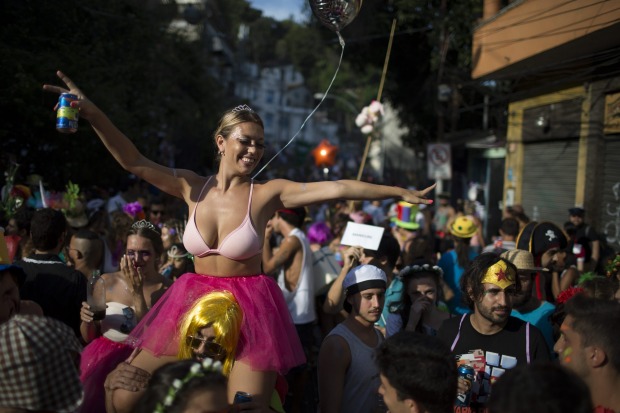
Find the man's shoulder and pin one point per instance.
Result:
(46, 264)
(450, 327)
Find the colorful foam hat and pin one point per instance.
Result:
(463, 227)
(405, 215)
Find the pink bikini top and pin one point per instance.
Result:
(240, 244)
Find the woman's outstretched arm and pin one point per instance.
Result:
(297, 194)
(121, 147)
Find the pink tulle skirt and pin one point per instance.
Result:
(268, 340)
(98, 359)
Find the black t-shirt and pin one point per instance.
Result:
(499, 352)
(56, 287)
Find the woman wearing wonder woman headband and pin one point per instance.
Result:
(228, 215)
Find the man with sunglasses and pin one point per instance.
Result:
(489, 338)
(157, 212)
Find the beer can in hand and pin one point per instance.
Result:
(465, 372)
(66, 116)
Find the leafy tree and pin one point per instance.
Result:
(152, 82)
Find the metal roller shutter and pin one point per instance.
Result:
(549, 179)
(609, 211)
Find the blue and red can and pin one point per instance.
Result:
(66, 116)
(242, 397)
(465, 372)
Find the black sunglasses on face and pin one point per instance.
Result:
(211, 348)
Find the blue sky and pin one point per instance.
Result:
(279, 9)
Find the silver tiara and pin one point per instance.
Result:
(174, 252)
(143, 223)
(242, 108)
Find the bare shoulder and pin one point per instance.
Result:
(113, 281)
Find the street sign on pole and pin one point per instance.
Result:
(439, 160)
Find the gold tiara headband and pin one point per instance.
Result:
(500, 274)
(242, 108)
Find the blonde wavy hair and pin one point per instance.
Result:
(217, 309)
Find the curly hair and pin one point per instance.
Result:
(471, 280)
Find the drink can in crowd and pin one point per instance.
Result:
(242, 397)
(465, 372)
(66, 116)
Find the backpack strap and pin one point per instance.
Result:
(458, 334)
(527, 343)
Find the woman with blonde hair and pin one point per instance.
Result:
(211, 329)
(229, 212)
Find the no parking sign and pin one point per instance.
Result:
(439, 160)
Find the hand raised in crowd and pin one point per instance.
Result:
(86, 107)
(132, 274)
(352, 256)
(421, 305)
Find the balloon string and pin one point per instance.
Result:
(342, 44)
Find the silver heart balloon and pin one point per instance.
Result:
(335, 14)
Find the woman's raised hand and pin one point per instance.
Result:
(134, 278)
(418, 197)
(86, 107)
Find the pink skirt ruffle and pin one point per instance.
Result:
(98, 359)
(268, 340)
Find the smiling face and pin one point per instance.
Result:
(203, 345)
(244, 147)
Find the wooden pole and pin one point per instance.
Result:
(379, 94)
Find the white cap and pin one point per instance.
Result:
(364, 274)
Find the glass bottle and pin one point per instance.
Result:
(95, 295)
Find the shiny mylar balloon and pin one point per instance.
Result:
(335, 14)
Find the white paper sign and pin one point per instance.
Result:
(367, 236)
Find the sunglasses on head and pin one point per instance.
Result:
(211, 348)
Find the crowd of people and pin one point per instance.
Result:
(247, 286)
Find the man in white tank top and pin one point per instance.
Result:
(292, 263)
(348, 376)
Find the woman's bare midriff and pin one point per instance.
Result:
(218, 265)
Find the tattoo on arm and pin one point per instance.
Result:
(303, 186)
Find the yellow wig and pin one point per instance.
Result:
(220, 310)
